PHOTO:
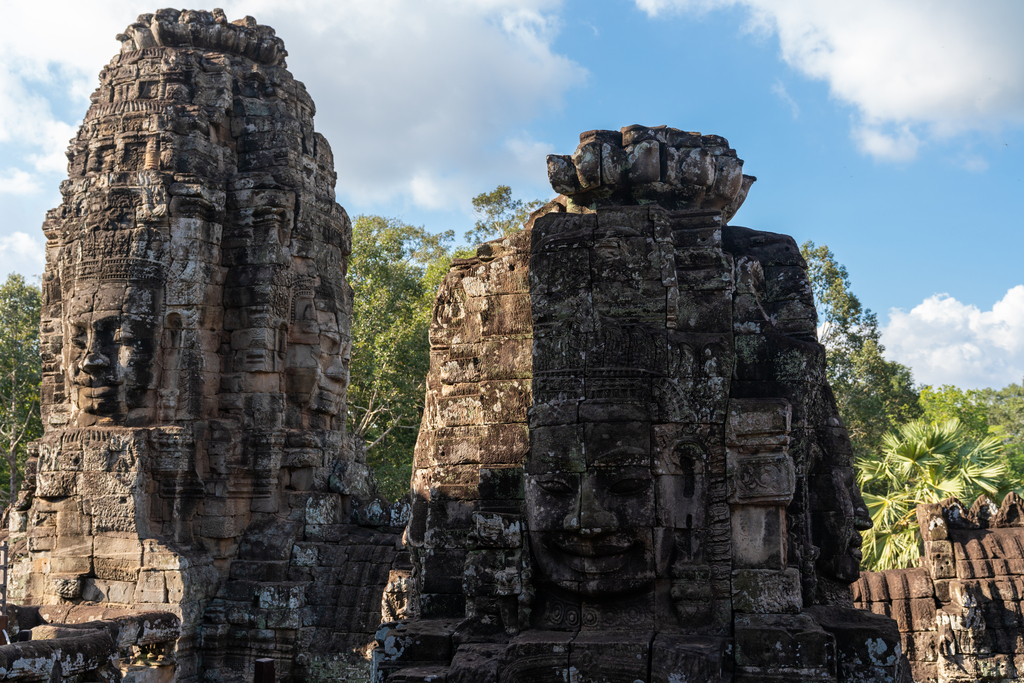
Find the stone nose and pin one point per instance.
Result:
(862, 518)
(94, 361)
(594, 516)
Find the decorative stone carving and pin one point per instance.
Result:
(627, 414)
(195, 340)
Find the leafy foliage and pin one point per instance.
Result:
(948, 402)
(394, 271)
(874, 395)
(499, 214)
(1005, 413)
(923, 462)
(20, 374)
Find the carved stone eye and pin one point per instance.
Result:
(556, 486)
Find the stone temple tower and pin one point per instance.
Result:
(631, 466)
(195, 333)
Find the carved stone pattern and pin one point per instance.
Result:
(195, 340)
(762, 479)
(684, 491)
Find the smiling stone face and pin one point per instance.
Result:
(591, 530)
(686, 484)
(112, 333)
(839, 516)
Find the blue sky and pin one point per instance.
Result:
(890, 131)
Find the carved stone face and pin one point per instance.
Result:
(112, 336)
(318, 356)
(591, 531)
(837, 528)
(332, 379)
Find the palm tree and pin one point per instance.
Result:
(923, 462)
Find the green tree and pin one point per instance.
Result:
(20, 374)
(948, 402)
(922, 462)
(1005, 413)
(498, 214)
(394, 271)
(874, 395)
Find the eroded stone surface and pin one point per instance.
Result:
(89, 643)
(631, 466)
(959, 613)
(195, 336)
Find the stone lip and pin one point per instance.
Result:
(206, 31)
(644, 165)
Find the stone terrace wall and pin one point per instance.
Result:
(312, 604)
(959, 613)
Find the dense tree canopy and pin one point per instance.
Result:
(20, 374)
(394, 270)
(948, 402)
(1005, 412)
(498, 214)
(874, 395)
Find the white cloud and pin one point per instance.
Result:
(779, 90)
(46, 78)
(16, 181)
(900, 145)
(947, 342)
(914, 69)
(415, 98)
(974, 163)
(22, 253)
(421, 95)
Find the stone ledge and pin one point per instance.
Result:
(83, 641)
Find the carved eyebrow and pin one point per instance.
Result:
(620, 456)
(623, 472)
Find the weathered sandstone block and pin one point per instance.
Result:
(676, 489)
(196, 333)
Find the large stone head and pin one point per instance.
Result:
(626, 414)
(590, 497)
(112, 331)
(111, 324)
(318, 351)
(191, 272)
(677, 425)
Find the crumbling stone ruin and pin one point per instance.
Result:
(77, 643)
(195, 336)
(959, 613)
(631, 466)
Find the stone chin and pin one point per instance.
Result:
(325, 403)
(328, 397)
(846, 567)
